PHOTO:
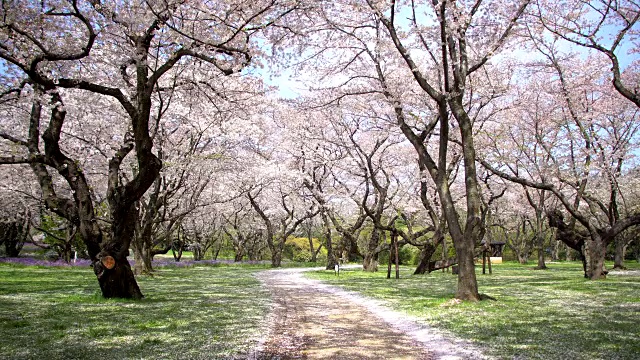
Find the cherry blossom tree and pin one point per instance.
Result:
(590, 132)
(605, 26)
(131, 54)
(244, 230)
(441, 47)
(280, 222)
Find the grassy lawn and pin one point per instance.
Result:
(552, 314)
(199, 312)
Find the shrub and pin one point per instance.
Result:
(297, 249)
(407, 254)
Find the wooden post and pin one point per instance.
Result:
(394, 237)
(445, 253)
(484, 260)
(390, 257)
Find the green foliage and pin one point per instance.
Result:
(297, 250)
(52, 224)
(55, 235)
(553, 314)
(407, 254)
(188, 313)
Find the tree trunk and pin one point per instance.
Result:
(68, 250)
(238, 257)
(620, 249)
(331, 259)
(276, 257)
(484, 261)
(570, 255)
(540, 241)
(555, 254)
(111, 266)
(395, 242)
(119, 281)
(474, 226)
(351, 249)
(522, 258)
(467, 283)
(540, 248)
(595, 250)
(389, 262)
(370, 262)
(198, 252)
(314, 254)
(143, 258)
(426, 253)
(238, 247)
(13, 234)
(176, 250)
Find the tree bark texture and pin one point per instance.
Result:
(540, 249)
(370, 262)
(426, 253)
(326, 225)
(619, 252)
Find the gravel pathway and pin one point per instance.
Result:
(313, 320)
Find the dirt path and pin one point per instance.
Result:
(312, 320)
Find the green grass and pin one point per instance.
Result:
(553, 314)
(187, 313)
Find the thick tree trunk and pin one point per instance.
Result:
(619, 252)
(238, 247)
(111, 266)
(238, 257)
(143, 258)
(254, 246)
(555, 254)
(522, 258)
(474, 225)
(276, 257)
(541, 263)
(276, 247)
(351, 250)
(370, 262)
(426, 253)
(108, 256)
(119, 281)
(595, 250)
(13, 234)
(467, 283)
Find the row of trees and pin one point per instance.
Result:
(422, 120)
